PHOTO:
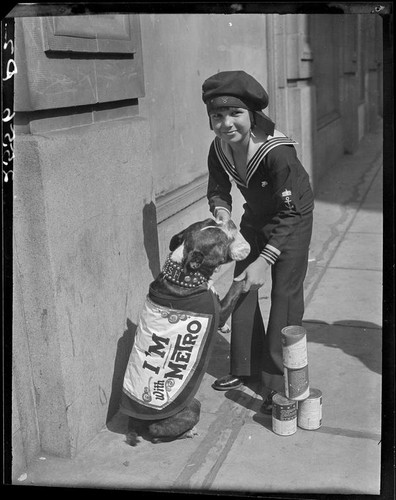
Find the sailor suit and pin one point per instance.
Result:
(277, 223)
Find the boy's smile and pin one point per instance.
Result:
(231, 124)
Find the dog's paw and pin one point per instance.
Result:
(132, 438)
(225, 329)
(166, 439)
(189, 434)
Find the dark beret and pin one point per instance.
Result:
(234, 88)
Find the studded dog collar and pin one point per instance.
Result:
(174, 273)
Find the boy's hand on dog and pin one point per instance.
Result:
(254, 275)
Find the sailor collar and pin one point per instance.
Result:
(257, 150)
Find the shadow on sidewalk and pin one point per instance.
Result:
(359, 339)
(219, 361)
(124, 347)
(351, 177)
(251, 402)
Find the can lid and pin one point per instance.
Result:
(281, 399)
(294, 330)
(314, 393)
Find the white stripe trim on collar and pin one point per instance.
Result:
(223, 154)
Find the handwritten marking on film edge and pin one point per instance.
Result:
(8, 114)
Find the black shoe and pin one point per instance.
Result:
(266, 407)
(227, 382)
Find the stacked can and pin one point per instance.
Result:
(309, 414)
(295, 362)
(284, 415)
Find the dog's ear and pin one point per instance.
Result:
(194, 259)
(176, 241)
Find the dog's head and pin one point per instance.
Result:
(205, 245)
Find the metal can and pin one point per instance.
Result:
(284, 415)
(309, 413)
(294, 346)
(296, 383)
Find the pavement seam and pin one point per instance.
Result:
(206, 461)
(359, 327)
(340, 268)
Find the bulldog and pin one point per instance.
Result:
(176, 331)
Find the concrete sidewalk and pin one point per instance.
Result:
(236, 450)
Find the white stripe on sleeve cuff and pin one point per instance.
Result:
(270, 254)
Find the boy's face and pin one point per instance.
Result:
(230, 124)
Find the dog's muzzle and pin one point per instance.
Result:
(239, 248)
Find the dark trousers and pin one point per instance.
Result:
(255, 350)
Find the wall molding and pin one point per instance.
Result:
(177, 200)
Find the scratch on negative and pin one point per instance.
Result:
(71, 332)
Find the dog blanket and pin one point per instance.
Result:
(170, 354)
